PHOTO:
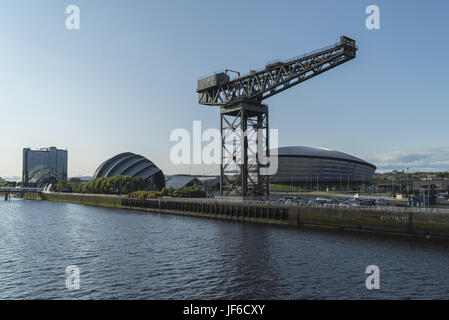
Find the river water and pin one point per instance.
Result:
(125, 254)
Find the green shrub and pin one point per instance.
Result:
(187, 192)
(8, 184)
(107, 185)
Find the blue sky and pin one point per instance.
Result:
(127, 78)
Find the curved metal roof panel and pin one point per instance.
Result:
(316, 152)
(137, 167)
(107, 165)
(128, 164)
(121, 164)
(148, 172)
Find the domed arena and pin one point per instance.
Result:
(300, 165)
(132, 165)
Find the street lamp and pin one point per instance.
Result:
(407, 189)
(363, 184)
(340, 184)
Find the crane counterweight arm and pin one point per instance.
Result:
(220, 90)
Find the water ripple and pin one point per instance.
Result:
(127, 255)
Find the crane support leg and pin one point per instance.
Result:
(244, 136)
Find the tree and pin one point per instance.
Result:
(442, 174)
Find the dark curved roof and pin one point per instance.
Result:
(127, 164)
(320, 153)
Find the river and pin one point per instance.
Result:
(125, 254)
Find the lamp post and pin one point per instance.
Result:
(407, 189)
(392, 189)
(363, 184)
(423, 197)
(340, 184)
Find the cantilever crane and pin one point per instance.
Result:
(241, 109)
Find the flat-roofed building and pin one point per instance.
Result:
(181, 181)
(43, 166)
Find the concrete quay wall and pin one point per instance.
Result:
(381, 220)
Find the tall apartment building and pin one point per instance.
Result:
(43, 166)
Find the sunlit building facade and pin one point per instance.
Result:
(44, 166)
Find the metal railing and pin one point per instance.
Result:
(20, 190)
(370, 208)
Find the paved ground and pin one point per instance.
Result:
(313, 195)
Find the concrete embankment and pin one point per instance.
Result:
(407, 221)
(109, 201)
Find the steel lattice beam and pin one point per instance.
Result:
(242, 128)
(277, 77)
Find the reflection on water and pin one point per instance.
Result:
(130, 255)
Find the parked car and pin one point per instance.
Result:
(368, 202)
(331, 203)
(354, 204)
(323, 200)
(381, 202)
(349, 203)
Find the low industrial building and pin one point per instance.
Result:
(210, 183)
(181, 181)
(412, 186)
(441, 185)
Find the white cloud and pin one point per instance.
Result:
(422, 159)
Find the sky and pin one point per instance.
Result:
(127, 78)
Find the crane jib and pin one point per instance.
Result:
(218, 89)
